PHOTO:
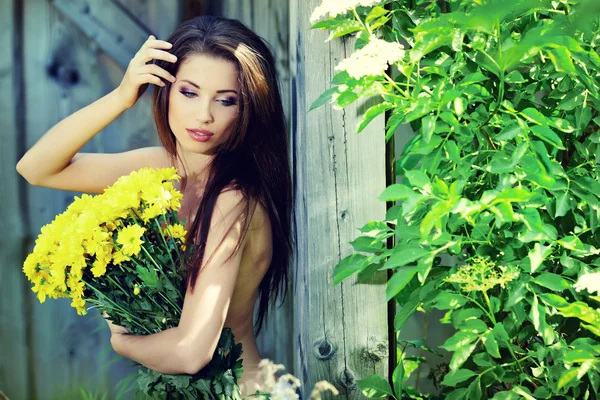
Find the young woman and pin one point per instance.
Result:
(220, 121)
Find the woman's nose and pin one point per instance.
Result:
(205, 114)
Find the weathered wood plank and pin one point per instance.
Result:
(341, 331)
(59, 78)
(64, 71)
(270, 20)
(13, 328)
(105, 22)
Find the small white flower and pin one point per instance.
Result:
(285, 388)
(322, 386)
(372, 59)
(589, 282)
(335, 7)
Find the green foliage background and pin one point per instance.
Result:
(502, 175)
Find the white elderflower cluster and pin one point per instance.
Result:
(589, 282)
(335, 7)
(372, 59)
(285, 387)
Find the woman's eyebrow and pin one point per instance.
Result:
(218, 91)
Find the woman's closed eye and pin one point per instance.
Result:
(228, 102)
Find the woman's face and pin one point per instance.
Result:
(204, 97)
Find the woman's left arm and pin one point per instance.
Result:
(188, 347)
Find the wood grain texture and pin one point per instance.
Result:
(103, 22)
(340, 331)
(269, 19)
(13, 327)
(47, 350)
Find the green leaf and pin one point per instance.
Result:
(367, 244)
(473, 325)
(404, 256)
(418, 179)
(407, 310)
(547, 135)
(375, 13)
(371, 113)
(461, 355)
(397, 192)
(375, 387)
(538, 317)
(537, 255)
(475, 389)
(398, 379)
(508, 395)
(578, 356)
(325, 97)
(459, 340)
(456, 377)
(491, 346)
(430, 41)
(551, 281)
(398, 281)
(149, 276)
(343, 28)
(428, 127)
(563, 204)
(509, 132)
(562, 60)
(447, 301)
(567, 377)
(345, 99)
(348, 266)
(533, 115)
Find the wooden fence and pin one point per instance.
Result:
(65, 54)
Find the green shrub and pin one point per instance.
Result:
(502, 176)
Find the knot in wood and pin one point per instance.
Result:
(66, 76)
(344, 214)
(378, 353)
(324, 349)
(347, 379)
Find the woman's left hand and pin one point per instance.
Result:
(114, 328)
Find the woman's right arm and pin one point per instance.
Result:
(54, 151)
(54, 160)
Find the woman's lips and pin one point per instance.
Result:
(200, 135)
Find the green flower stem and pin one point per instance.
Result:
(486, 312)
(162, 295)
(117, 284)
(167, 225)
(489, 304)
(165, 242)
(505, 365)
(359, 20)
(116, 306)
(394, 84)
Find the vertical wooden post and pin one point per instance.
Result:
(47, 350)
(340, 332)
(14, 360)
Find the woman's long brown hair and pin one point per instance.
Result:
(255, 158)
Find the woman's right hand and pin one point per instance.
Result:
(141, 71)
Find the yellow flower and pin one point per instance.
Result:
(152, 211)
(136, 289)
(177, 231)
(99, 267)
(164, 320)
(119, 257)
(130, 239)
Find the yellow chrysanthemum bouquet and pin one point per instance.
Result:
(123, 252)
